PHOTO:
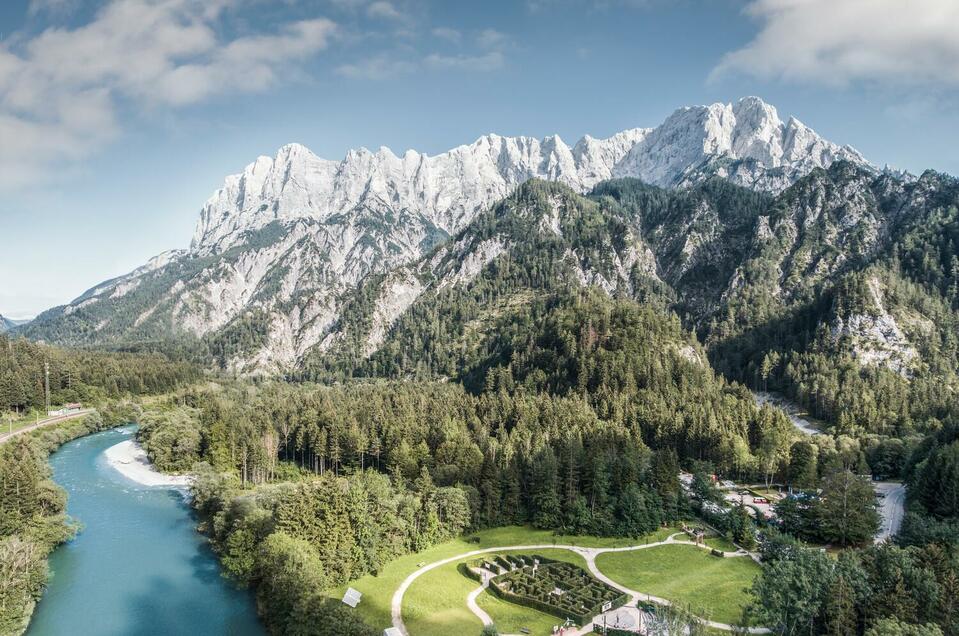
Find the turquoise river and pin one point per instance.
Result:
(138, 566)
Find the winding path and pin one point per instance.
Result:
(474, 606)
(589, 554)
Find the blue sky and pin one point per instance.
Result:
(119, 118)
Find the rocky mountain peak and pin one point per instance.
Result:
(745, 142)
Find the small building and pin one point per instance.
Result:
(352, 597)
(72, 407)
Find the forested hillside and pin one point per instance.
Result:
(80, 375)
(579, 421)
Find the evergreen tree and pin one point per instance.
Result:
(840, 610)
(846, 511)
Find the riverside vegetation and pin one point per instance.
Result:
(32, 507)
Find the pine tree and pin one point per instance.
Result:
(840, 610)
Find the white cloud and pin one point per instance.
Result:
(376, 68)
(446, 33)
(384, 11)
(842, 41)
(52, 7)
(491, 61)
(491, 39)
(60, 91)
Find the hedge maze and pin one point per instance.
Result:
(561, 589)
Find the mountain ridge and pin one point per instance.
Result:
(745, 142)
(281, 248)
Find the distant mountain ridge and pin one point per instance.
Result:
(7, 324)
(284, 246)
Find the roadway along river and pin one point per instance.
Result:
(138, 566)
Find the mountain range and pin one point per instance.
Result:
(724, 213)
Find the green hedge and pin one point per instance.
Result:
(465, 570)
(584, 595)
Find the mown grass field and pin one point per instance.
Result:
(378, 590)
(435, 605)
(713, 587)
(721, 543)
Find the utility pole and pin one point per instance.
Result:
(46, 384)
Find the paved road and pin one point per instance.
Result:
(471, 599)
(590, 554)
(891, 507)
(50, 420)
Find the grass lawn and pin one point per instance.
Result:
(435, 605)
(721, 543)
(378, 590)
(769, 493)
(713, 587)
(510, 618)
(10, 423)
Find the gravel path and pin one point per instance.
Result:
(790, 409)
(474, 607)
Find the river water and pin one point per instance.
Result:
(138, 566)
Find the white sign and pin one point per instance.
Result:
(608, 605)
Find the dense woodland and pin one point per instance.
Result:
(81, 375)
(580, 426)
(880, 590)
